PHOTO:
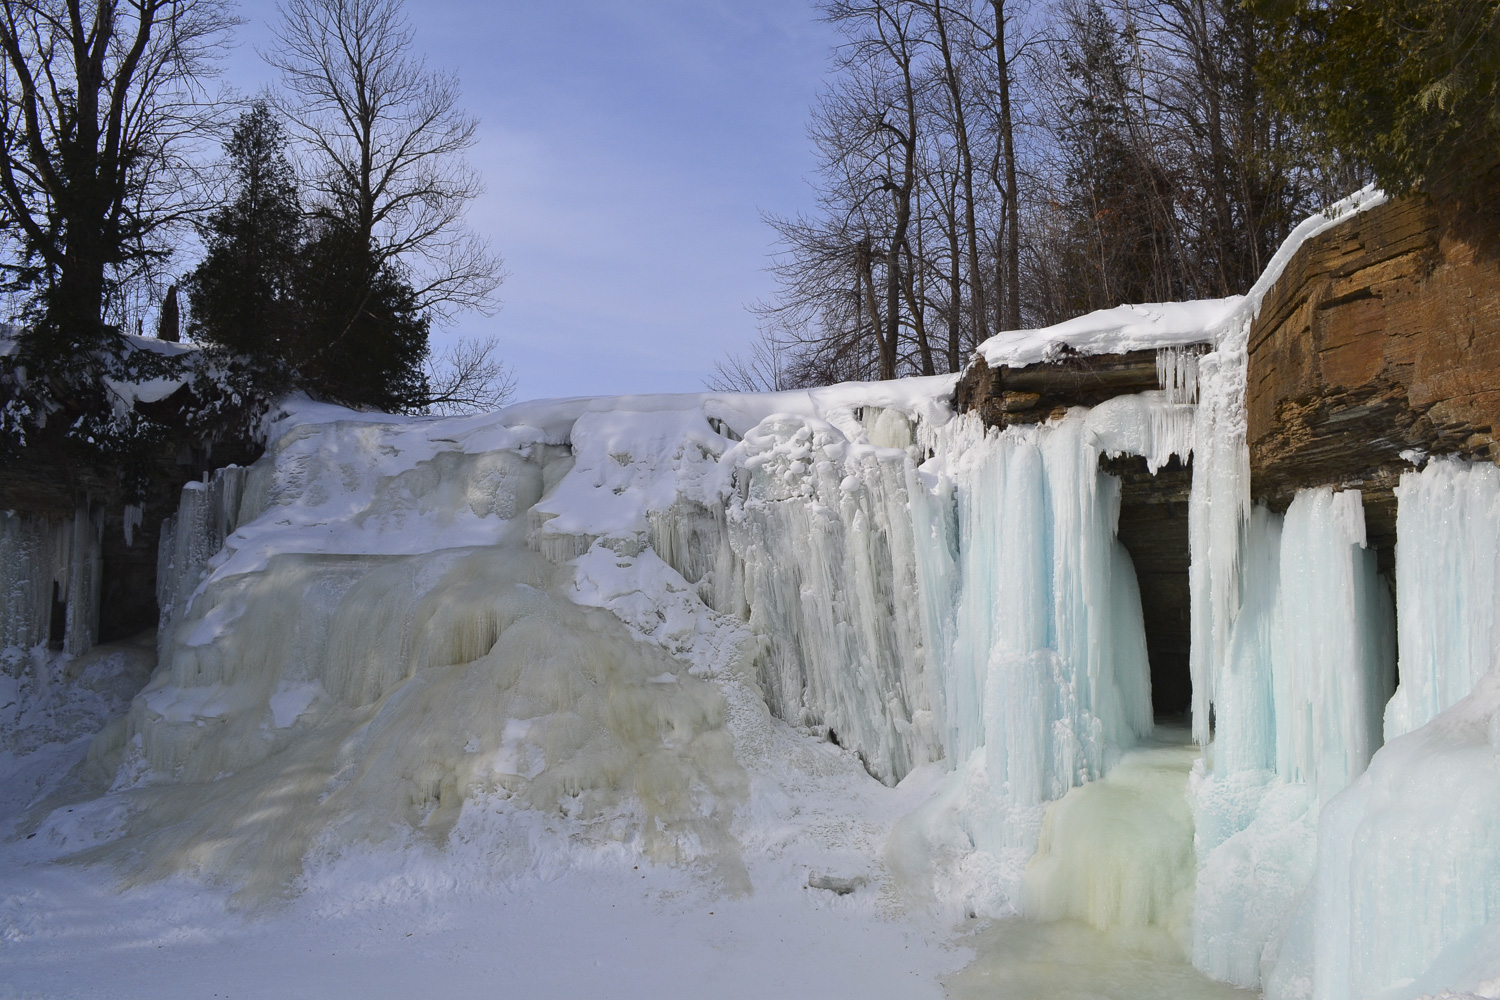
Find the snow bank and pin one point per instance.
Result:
(1150, 326)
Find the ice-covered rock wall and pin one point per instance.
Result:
(1329, 866)
(46, 560)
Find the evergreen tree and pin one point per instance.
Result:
(242, 295)
(307, 305)
(362, 338)
(1408, 88)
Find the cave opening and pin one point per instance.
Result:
(1153, 527)
(57, 621)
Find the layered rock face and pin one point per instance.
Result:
(1381, 337)
(1029, 394)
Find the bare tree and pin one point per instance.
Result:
(953, 69)
(388, 138)
(761, 369)
(100, 104)
(989, 163)
(1002, 44)
(469, 377)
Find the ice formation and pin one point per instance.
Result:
(1447, 547)
(1118, 852)
(49, 564)
(591, 610)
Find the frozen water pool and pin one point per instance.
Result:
(1069, 960)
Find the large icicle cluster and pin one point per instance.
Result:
(46, 560)
(1309, 885)
(1447, 546)
(1048, 657)
(1310, 667)
(832, 539)
(206, 515)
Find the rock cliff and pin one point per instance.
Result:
(1382, 337)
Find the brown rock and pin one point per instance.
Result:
(1382, 335)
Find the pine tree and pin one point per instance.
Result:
(1408, 88)
(308, 305)
(362, 338)
(242, 295)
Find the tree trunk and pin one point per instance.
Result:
(1012, 254)
(977, 306)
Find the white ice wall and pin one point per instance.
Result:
(35, 554)
(1309, 666)
(1448, 577)
(832, 538)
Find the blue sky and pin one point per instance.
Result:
(628, 148)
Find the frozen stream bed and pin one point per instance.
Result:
(407, 920)
(609, 932)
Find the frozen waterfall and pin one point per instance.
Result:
(49, 580)
(673, 628)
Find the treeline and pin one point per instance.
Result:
(329, 213)
(986, 165)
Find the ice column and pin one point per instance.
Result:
(206, 515)
(1448, 581)
(1048, 663)
(1334, 659)
(1309, 663)
(1407, 895)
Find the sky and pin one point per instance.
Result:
(629, 149)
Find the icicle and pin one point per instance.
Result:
(1177, 372)
(207, 514)
(132, 520)
(1048, 666)
(829, 546)
(1448, 583)
(41, 558)
(1334, 655)
(26, 574)
(85, 576)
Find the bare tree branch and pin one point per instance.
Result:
(468, 378)
(388, 137)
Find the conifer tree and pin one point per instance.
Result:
(362, 336)
(242, 294)
(1407, 88)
